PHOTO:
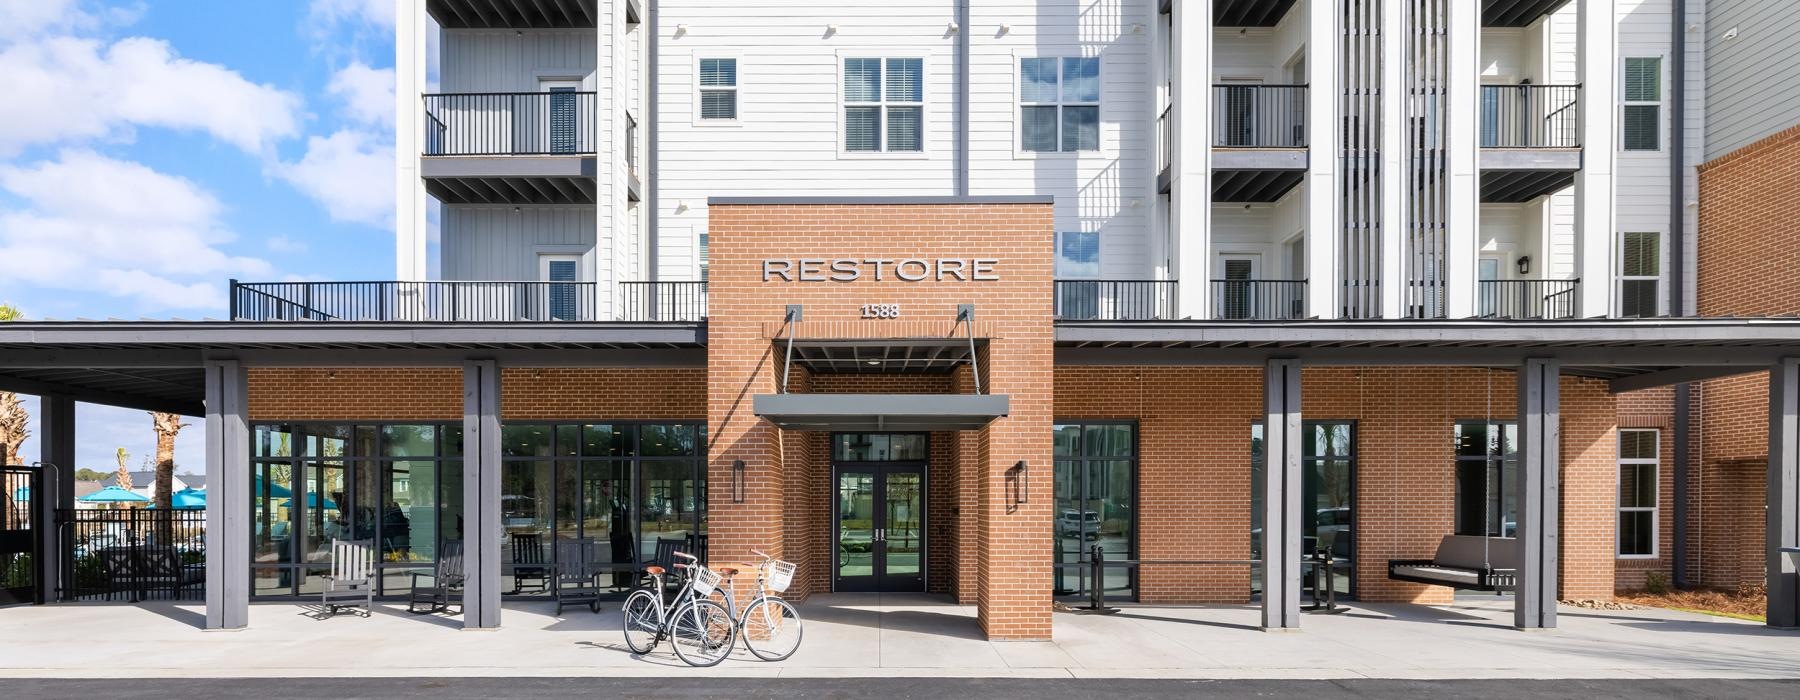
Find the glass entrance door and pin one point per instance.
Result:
(880, 526)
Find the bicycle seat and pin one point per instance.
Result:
(726, 571)
(653, 570)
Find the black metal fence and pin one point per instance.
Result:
(662, 301)
(414, 301)
(1527, 298)
(1259, 116)
(133, 554)
(1115, 300)
(1259, 300)
(1531, 116)
(21, 542)
(510, 123)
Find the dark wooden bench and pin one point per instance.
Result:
(1464, 562)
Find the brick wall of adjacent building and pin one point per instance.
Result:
(1748, 249)
(1194, 466)
(436, 394)
(1013, 540)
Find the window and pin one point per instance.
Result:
(1059, 104)
(1641, 116)
(718, 89)
(705, 256)
(1640, 273)
(1096, 505)
(1327, 497)
(1487, 462)
(884, 104)
(1638, 463)
(1077, 254)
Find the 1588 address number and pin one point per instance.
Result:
(881, 311)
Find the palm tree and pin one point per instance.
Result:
(14, 420)
(166, 426)
(124, 474)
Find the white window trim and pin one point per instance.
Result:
(1662, 116)
(702, 253)
(544, 260)
(1661, 276)
(837, 89)
(1655, 510)
(1018, 108)
(1099, 257)
(738, 88)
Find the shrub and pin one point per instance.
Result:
(1656, 583)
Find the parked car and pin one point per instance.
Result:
(1070, 524)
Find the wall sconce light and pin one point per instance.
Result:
(952, 28)
(1524, 263)
(831, 29)
(737, 481)
(1005, 27)
(1020, 477)
(680, 29)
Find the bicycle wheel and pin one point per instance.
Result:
(642, 621)
(702, 632)
(771, 629)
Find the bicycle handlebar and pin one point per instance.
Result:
(685, 555)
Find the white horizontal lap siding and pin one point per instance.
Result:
(1094, 190)
(1642, 177)
(495, 243)
(483, 60)
(1557, 213)
(1752, 81)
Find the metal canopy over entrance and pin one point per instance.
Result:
(881, 412)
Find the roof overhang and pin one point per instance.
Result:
(881, 412)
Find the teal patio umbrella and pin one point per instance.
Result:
(113, 494)
(187, 499)
(312, 501)
(22, 494)
(275, 490)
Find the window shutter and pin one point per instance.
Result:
(564, 120)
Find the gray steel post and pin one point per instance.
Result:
(1281, 495)
(481, 494)
(1540, 432)
(1784, 492)
(228, 496)
(57, 448)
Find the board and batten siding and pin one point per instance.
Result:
(1752, 80)
(787, 138)
(495, 243)
(484, 60)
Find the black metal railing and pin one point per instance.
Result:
(1115, 300)
(1259, 300)
(132, 554)
(1531, 116)
(1527, 298)
(1259, 116)
(662, 301)
(414, 301)
(510, 123)
(1165, 139)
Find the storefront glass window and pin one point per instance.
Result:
(1096, 505)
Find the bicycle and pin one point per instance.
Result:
(701, 631)
(769, 625)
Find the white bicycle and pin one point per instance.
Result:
(769, 625)
(701, 630)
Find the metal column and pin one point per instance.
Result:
(1281, 499)
(1784, 492)
(481, 494)
(57, 449)
(228, 496)
(1540, 433)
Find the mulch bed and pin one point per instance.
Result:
(1749, 601)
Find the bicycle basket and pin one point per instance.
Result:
(781, 574)
(705, 580)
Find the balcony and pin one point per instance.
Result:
(1258, 141)
(1259, 300)
(1527, 299)
(463, 301)
(1530, 140)
(1115, 300)
(510, 147)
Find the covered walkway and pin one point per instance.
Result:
(867, 635)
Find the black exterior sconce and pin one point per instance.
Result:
(737, 481)
(1524, 263)
(1019, 478)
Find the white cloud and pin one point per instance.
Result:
(367, 93)
(64, 89)
(19, 18)
(379, 13)
(350, 172)
(93, 223)
(283, 244)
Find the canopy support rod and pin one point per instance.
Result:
(965, 313)
(794, 313)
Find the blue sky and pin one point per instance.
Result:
(150, 151)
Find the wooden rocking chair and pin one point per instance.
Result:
(352, 577)
(446, 581)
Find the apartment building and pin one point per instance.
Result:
(1170, 302)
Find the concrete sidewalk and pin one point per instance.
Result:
(869, 635)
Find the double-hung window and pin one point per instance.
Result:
(1640, 119)
(1638, 465)
(884, 105)
(1640, 273)
(1059, 104)
(718, 89)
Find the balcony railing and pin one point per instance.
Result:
(1259, 116)
(662, 301)
(1259, 300)
(510, 123)
(1115, 300)
(414, 301)
(1532, 299)
(1531, 116)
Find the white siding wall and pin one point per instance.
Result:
(488, 60)
(1555, 38)
(1642, 177)
(786, 141)
(1753, 80)
(494, 243)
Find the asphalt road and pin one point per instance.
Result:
(887, 688)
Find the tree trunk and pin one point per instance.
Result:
(167, 425)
